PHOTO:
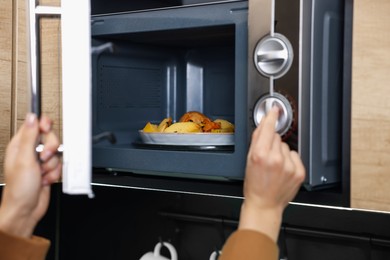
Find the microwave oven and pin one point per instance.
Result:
(229, 60)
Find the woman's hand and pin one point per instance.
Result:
(28, 178)
(272, 179)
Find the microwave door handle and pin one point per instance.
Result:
(33, 77)
(76, 87)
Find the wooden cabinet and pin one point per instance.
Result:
(370, 154)
(14, 99)
(6, 97)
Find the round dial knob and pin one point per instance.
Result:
(266, 102)
(273, 56)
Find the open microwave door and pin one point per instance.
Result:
(76, 96)
(76, 87)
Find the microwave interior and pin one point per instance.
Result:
(150, 76)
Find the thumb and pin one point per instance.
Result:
(28, 135)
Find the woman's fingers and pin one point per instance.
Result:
(300, 172)
(51, 143)
(263, 136)
(289, 165)
(268, 129)
(52, 176)
(50, 164)
(275, 157)
(45, 124)
(26, 138)
(297, 176)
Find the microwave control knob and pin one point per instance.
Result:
(273, 55)
(266, 102)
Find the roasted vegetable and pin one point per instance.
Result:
(165, 123)
(184, 127)
(226, 126)
(190, 122)
(150, 128)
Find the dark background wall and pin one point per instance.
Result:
(126, 223)
(123, 223)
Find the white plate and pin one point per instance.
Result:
(187, 139)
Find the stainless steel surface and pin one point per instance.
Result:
(260, 24)
(273, 56)
(266, 102)
(34, 78)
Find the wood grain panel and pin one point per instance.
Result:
(51, 67)
(6, 30)
(5, 110)
(20, 78)
(5, 77)
(51, 70)
(370, 155)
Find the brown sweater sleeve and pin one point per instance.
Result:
(16, 248)
(248, 245)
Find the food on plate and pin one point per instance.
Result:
(200, 119)
(191, 122)
(150, 128)
(226, 126)
(165, 123)
(184, 127)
